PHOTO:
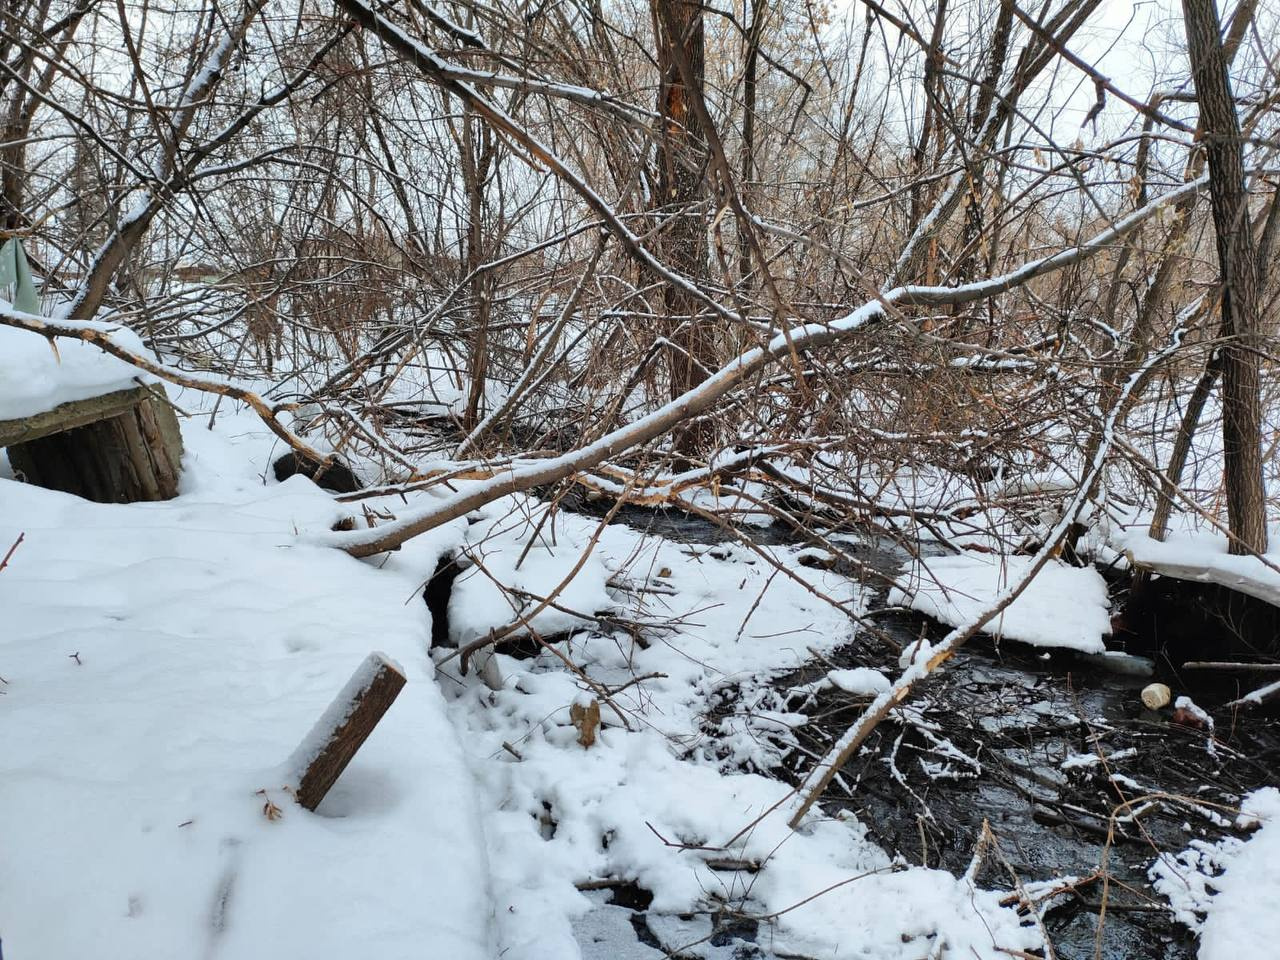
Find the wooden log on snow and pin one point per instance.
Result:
(343, 728)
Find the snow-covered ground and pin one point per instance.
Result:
(1226, 891)
(659, 800)
(1063, 606)
(161, 662)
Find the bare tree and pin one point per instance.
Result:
(682, 161)
(1237, 260)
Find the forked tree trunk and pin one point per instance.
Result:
(1241, 402)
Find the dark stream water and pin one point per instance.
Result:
(984, 742)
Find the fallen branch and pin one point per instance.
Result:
(698, 399)
(9, 553)
(101, 335)
(1231, 665)
(1257, 698)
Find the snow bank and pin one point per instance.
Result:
(1242, 921)
(35, 378)
(1202, 555)
(162, 661)
(1224, 890)
(1063, 606)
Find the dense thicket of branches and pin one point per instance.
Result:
(461, 232)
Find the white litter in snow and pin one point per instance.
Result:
(1063, 606)
(35, 378)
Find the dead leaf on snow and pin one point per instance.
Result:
(587, 720)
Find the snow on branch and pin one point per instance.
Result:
(103, 335)
(364, 543)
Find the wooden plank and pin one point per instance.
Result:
(343, 728)
(121, 447)
(68, 416)
(162, 440)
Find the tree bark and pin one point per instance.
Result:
(682, 162)
(124, 447)
(749, 88)
(476, 150)
(1241, 403)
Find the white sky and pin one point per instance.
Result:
(1136, 45)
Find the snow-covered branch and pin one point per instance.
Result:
(702, 397)
(102, 335)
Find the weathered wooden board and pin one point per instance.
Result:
(120, 447)
(344, 727)
(68, 416)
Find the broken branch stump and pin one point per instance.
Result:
(341, 730)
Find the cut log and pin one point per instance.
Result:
(121, 447)
(344, 727)
(1231, 666)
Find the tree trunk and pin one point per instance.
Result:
(749, 85)
(477, 154)
(1241, 403)
(122, 447)
(682, 164)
